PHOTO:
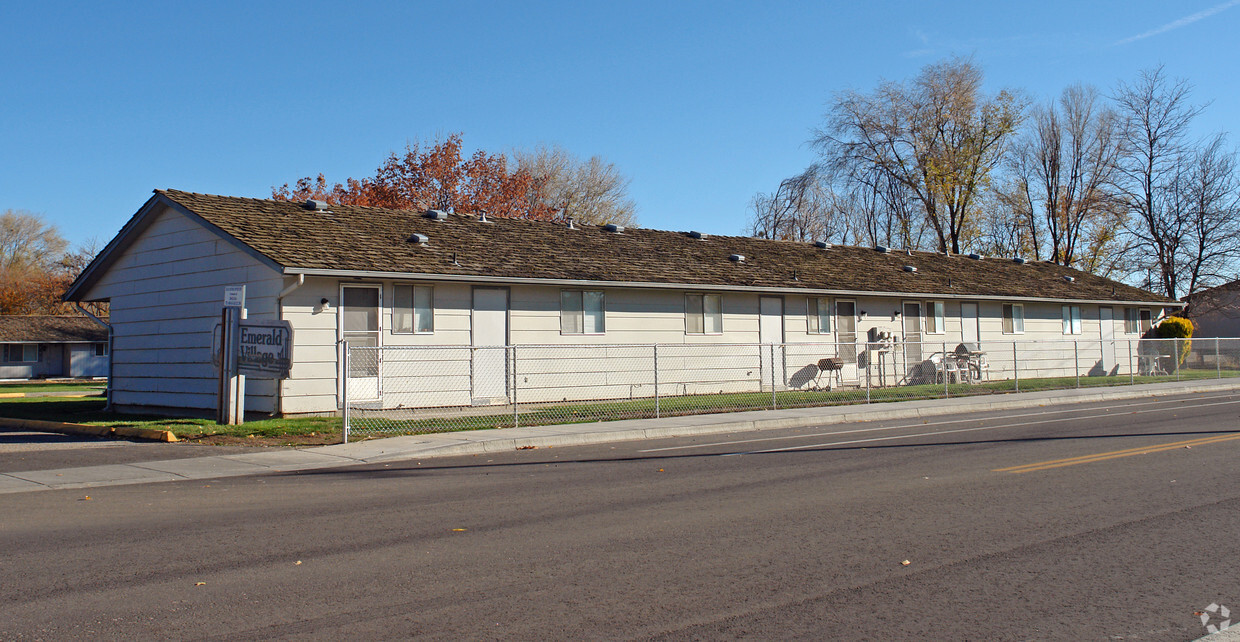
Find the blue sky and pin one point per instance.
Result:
(701, 103)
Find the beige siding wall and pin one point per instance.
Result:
(166, 292)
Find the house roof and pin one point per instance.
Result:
(375, 241)
(51, 329)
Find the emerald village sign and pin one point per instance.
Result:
(245, 347)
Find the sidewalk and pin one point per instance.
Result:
(507, 439)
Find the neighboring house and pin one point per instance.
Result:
(1215, 312)
(398, 278)
(52, 346)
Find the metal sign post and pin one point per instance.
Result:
(231, 406)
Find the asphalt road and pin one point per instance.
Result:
(1099, 521)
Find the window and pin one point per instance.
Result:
(21, 352)
(1130, 320)
(703, 314)
(819, 315)
(101, 349)
(1013, 318)
(1147, 321)
(581, 312)
(413, 309)
(1071, 319)
(934, 318)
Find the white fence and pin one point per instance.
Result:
(425, 389)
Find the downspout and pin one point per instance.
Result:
(107, 406)
(301, 280)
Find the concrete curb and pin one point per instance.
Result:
(125, 432)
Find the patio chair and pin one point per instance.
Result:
(832, 367)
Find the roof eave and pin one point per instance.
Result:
(467, 278)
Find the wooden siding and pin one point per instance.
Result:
(166, 291)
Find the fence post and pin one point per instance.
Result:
(1015, 367)
(1175, 357)
(946, 393)
(344, 395)
(516, 417)
(1076, 361)
(869, 356)
(656, 381)
(1132, 373)
(774, 401)
(1218, 364)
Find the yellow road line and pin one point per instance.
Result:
(1115, 454)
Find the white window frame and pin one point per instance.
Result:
(1071, 319)
(689, 313)
(1132, 321)
(101, 349)
(1018, 320)
(1145, 320)
(818, 308)
(936, 318)
(580, 323)
(428, 292)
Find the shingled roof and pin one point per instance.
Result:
(374, 240)
(50, 329)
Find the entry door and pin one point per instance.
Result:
(912, 334)
(1106, 320)
(846, 338)
(968, 324)
(360, 325)
(771, 332)
(489, 365)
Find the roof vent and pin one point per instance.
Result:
(910, 268)
(420, 239)
(696, 235)
(570, 224)
(822, 244)
(318, 206)
(882, 248)
(975, 256)
(613, 228)
(737, 258)
(1069, 279)
(436, 215)
(1019, 260)
(482, 217)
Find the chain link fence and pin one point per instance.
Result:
(406, 389)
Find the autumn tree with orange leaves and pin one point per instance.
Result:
(434, 177)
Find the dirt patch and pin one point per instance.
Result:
(263, 441)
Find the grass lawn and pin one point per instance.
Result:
(84, 387)
(325, 430)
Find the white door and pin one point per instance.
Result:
(771, 333)
(1106, 321)
(360, 325)
(912, 334)
(489, 366)
(968, 323)
(846, 338)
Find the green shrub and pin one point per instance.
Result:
(1178, 328)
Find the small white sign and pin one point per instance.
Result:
(234, 296)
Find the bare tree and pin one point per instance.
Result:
(1156, 116)
(589, 191)
(939, 136)
(801, 209)
(28, 241)
(1064, 170)
(1210, 189)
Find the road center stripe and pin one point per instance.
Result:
(1116, 454)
